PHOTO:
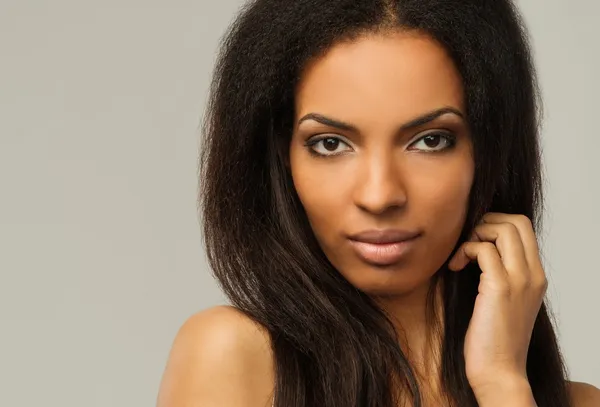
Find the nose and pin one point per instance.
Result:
(380, 186)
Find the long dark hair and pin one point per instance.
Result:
(332, 345)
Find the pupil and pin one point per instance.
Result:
(331, 144)
(432, 141)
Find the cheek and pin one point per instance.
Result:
(440, 203)
(444, 200)
(323, 194)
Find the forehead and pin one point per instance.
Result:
(376, 77)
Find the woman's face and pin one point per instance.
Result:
(381, 159)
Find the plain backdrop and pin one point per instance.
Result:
(101, 258)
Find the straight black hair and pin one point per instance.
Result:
(332, 345)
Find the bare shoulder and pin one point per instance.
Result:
(584, 395)
(220, 357)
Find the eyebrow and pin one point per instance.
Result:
(419, 121)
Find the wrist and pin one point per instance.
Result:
(513, 391)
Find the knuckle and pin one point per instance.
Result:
(524, 220)
(510, 229)
(542, 284)
(487, 246)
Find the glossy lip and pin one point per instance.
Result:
(383, 247)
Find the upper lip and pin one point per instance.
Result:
(383, 236)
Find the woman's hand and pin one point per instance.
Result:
(511, 290)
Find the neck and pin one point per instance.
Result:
(420, 329)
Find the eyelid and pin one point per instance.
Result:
(448, 135)
(424, 133)
(314, 140)
(418, 136)
(322, 136)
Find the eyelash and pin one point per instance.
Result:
(450, 139)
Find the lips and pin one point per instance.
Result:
(383, 247)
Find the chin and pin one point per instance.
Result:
(388, 281)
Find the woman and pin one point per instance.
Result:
(370, 191)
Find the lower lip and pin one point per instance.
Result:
(382, 254)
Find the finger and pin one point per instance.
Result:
(490, 263)
(528, 238)
(461, 257)
(459, 260)
(507, 239)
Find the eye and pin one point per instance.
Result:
(434, 142)
(327, 146)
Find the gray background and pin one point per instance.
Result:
(100, 253)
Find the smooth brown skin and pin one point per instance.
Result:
(382, 178)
